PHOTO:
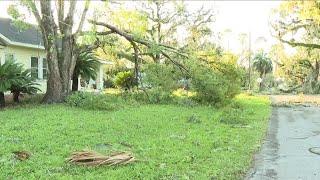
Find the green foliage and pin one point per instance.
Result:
(95, 101)
(18, 18)
(108, 83)
(149, 96)
(87, 66)
(124, 80)
(26, 85)
(14, 79)
(262, 64)
(158, 96)
(216, 82)
(161, 76)
(10, 75)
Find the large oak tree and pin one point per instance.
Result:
(56, 20)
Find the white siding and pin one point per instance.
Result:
(23, 56)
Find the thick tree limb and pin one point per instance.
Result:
(69, 17)
(181, 67)
(83, 16)
(294, 44)
(32, 6)
(133, 39)
(129, 37)
(60, 10)
(136, 63)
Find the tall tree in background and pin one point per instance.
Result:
(59, 39)
(298, 24)
(263, 65)
(164, 18)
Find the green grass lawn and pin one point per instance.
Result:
(167, 144)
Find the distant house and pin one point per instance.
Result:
(25, 46)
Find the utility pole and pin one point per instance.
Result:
(249, 58)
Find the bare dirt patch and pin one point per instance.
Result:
(289, 100)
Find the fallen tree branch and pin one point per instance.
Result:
(132, 39)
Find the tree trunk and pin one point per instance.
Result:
(54, 83)
(60, 45)
(2, 100)
(315, 77)
(75, 83)
(260, 84)
(136, 64)
(66, 66)
(16, 95)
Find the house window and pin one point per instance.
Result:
(9, 57)
(34, 67)
(44, 68)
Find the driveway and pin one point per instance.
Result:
(286, 153)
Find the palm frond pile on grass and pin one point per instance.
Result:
(90, 158)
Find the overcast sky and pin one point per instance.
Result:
(238, 16)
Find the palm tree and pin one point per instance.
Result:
(87, 66)
(262, 64)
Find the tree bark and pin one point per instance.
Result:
(54, 83)
(16, 95)
(260, 84)
(75, 83)
(2, 100)
(60, 45)
(315, 77)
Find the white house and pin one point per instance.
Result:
(26, 47)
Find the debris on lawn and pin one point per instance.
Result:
(22, 155)
(90, 158)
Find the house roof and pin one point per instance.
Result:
(13, 35)
(2, 43)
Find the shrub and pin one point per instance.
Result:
(108, 83)
(15, 79)
(215, 82)
(162, 77)
(124, 80)
(159, 96)
(149, 96)
(26, 85)
(96, 101)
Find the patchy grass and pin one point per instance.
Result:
(171, 142)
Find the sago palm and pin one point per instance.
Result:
(26, 85)
(9, 75)
(87, 66)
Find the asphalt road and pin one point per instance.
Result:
(285, 154)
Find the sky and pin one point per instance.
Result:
(242, 17)
(238, 16)
(245, 17)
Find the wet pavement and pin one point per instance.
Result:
(287, 152)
